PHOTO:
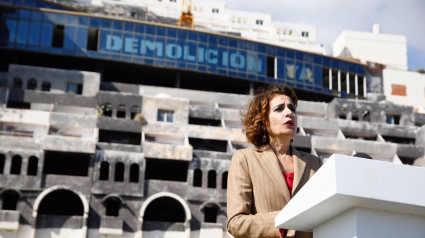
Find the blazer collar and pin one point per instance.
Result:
(270, 164)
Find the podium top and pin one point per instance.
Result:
(344, 182)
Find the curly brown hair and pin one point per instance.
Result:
(255, 120)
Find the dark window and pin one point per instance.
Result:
(32, 84)
(212, 145)
(197, 178)
(112, 205)
(121, 111)
(66, 163)
(134, 173)
(304, 34)
(361, 85)
(134, 111)
(45, 86)
(165, 115)
(2, 160)
(106, 110)
(170, 170)
(53, 204)
(165, 209)
(104, 170)
(17, 83)
(366, 116)
(204, 122)
(271, 67)
(399, 140)
(335, 80)
(343, 81)
(406, 160)
(352, 83)
(10, 200)
(354, 118)
(210, 213)
(224, 180)
(325, 77)
(19, 105)
(393, 119)
(212, 179)
(342, 116)
(259, 22)
(32, 166)
(120, 137)
(92, 39)
(15, 167)
(74, 88)
(58, 35)
(119, 172)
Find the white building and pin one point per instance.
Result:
(405, 88)
(390, 50)
(215, 16)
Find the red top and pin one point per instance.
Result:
(289, 178)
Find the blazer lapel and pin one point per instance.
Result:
(299, 168)
(270, 164)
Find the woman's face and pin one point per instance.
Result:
(282, 117)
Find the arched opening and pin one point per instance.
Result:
(32, 166)
(165, 209)
(46, 86)
(61, 202)
(17, 83)
(9, 200)
(210, 212)
(212, 177)
(104, 171)
(15, 167)
(121, 111)
(119, 172)
(224, 180)
(134, 111)
(32, 84)
(134, 173)
(112, 206)
(2, 160)
(197, 178)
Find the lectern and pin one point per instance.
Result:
(355, 197)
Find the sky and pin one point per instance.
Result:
(331, 17)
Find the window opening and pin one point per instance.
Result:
(271, 67)
(224, 180)
(343, 81)
(120, 137)
(134, 173)
(134, 111)
(335, 80)
(15, 167)
(210, 213)
(259, 22)
(45, 86)
(354, 118)
(112, 205)
(211, 145)
(17, 83)
(361, 85)
(212, 179)
(393, 119)
(165, 209)
(58, 35)
(165, 115)
(106, 110)
(10, 200)
(74, 88)
(32, 84)
(215, 10)
(66, 163)
(366, 116)
(304, 34)
(325, 77)
(53, 204)
(2, 160)
(92, 39)
(104, 171)
(32, 166)
(119, 172)
(169, 170)
(204, 122)
(197, 178)
(121, 111)
(352, 84)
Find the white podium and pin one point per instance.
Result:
(354, 197)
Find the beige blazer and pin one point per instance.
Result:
(257, 191)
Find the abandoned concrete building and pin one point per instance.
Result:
(125, 128)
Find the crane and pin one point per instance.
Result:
(186, 18)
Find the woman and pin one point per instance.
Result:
(262, 180)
